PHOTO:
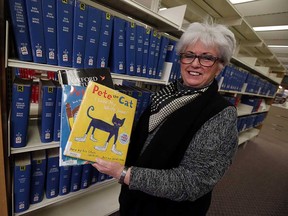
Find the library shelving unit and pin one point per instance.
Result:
(125, 9)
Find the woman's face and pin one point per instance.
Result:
(196, 75)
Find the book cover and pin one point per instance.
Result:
(81, 77)
(71, 100)
(130, 48)
(20, 109)
(50, 31)
(22, 178)
(77, 80)
(65, 12)
(20, 28)
(104, 40)
(36, 30)
(47, 99)
(65, 180)
(52, 175)
(79, 34)
(86, 175)
(57, 113)
(76, 175)
(103, 125)
(92, 37)
(38, 176)
(146, 44)
(139, 49)
(117, 57)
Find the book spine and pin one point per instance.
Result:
(139, 49)
(20, 27)
(92, 37)
(64, 180)
(50, 34)
(86, 175)
(22, 178)
(156, 57)
(146, 44)
(104, 40)
(36, 30)
(151, 53)
(47, 111)
(20, 108)
(117, 61)
(162, 56)
(79, 34)
(94, 176)
(65, 14)
(130, 48)
(76, 178)
(52, 177)
(38, 175)
(57, 114)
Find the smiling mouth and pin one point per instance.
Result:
(194, 73)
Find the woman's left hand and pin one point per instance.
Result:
(113, 169)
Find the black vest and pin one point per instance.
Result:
(166, 151)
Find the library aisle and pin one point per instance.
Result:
(257, 182)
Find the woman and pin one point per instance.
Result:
(186, 139)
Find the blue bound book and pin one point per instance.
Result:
(156, 56)
(22, 177)
(38, 176)
(94, 176)
(47, 99)
(130, 48)
(117, 57)
(76, 175)
(65, 12)
(65, 180)
(162, 56)
(52, 175)
(50, 31)
(92, 37)
(146, 44)
(20, 27)
(20, 108)
(104, 40)
(57, 113)
(36, 30)
(79, 34)
(139, 49)
(86, 175)
(151, 53)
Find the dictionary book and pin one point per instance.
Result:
(103, 125)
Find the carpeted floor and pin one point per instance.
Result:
(257, 182)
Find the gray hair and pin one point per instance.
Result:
(210, 35)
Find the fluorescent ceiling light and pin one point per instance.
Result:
(240, 1)
(271, 28)
(161, 9)
(278, 46)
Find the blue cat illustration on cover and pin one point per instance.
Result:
(111, 129)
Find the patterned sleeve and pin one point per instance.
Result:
(208, 156)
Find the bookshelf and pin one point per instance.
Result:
(143, 15)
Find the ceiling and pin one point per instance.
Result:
(241, 18)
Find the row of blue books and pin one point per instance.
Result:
(234, 78)
(49, 109)
(251, 101)
(251, 121)
(73, 34)
(37, 174)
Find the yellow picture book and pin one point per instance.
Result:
(103, 125)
